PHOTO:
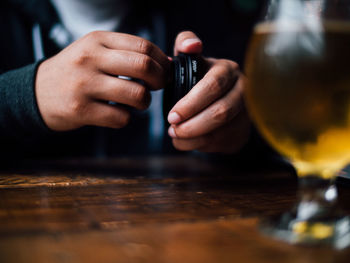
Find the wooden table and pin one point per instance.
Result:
(156, 209)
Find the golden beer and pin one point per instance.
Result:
(299, 92)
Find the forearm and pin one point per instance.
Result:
(20, 119)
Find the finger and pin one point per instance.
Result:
(213, 117)
(120, 41)
(187, 42)
(109, 88)
(232, 139)
(192, 144)
(228, 139)
(218, 80)
(105, 115)
(134, 65)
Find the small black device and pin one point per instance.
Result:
(187, 71)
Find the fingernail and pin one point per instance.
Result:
(174, 118)
(190, 41)
(171, 132)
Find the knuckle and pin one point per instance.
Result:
(221, 113)
(139, 94)
(124, 120)
(77, 108)
(230, 64)
(80, 83)
(144, 63)
(115, 120)
(142, 97)
(216, 84)
(145, 47)
(82, 57)
(235, 66)
(93, 36)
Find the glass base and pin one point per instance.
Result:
(330, 231)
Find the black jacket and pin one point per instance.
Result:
(224, 27)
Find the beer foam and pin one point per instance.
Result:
(288, 26)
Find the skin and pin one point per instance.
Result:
(73, 88)
(212, 116)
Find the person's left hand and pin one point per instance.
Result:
(212, 116)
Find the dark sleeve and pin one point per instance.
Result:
(20, 119)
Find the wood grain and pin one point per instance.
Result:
(157, 209)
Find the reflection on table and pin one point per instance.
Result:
(156, 209)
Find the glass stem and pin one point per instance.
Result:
(317, 199)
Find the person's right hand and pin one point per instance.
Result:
(74, 87)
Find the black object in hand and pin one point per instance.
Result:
(187, 71)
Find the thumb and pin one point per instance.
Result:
(187, 42)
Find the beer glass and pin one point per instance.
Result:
(298, 66)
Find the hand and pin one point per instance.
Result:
(212, 116)
(74, 87)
